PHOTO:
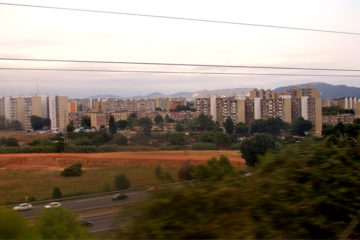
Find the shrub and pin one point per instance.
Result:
(72, 171)
(121, 182)
(185, 172)
(57, 193)
(163, 175)
(119, 139)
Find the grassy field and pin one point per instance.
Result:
(16, 184)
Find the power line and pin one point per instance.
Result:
(180, 64)
(178, 72)
(182, 18)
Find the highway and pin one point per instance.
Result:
(87, 204)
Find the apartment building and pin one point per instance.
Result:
(226, 107)
(145, 105)
(264, 104)
(58, 111)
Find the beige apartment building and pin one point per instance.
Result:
(264, 104)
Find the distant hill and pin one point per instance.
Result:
(327, 91)
(188, 95)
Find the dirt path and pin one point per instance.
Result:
(89, 160)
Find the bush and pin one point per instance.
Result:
(57, 193)
(121, 182)
(72, 171)
(203, 146)
(163, 175)
(119, 139)
(185, 172)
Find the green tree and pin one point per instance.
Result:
(119, 139)
(132, 120)
(72, 171)
(13, 226)
(121, 124)
(254, 146)
(163, 175)
(186, 172)
(214, 169)
(179, 127)
(146, 124)
(112, 125)
(39, 123)
(204, 122)
(241, 129)
(121, 182)
(12, 142)
(305, 191)
(300, 126)
(61, 223)
(70, 127)
(229, 126)
(168, 119)
(57, 193)
(221, 139)
(158, 119)
(86, 122)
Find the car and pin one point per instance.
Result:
(53, 205)
(23, 207)
(86, 223)
(120, 196)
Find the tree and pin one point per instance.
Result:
(179, 127)
(112, 125)
(163, 175)
(119, 139)
(61, 223)
(254, 146)
(168, 119)
(300, 126)
(158, 119)
(204, 122)
(13, 226)
(177, 138)
(186, 171)
(12, 142)
(214, 169)
(305, 191)
(241, 130)
(72, 171)
(70, 127)
(229, 126)
(132, 120)
(271, 126)
(39, 123)
(121, 182)
(86, 122)
(146, 125)
(121, 124)
(57, 193)
(222, 139)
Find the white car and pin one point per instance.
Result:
(23, 207)
(53, 205)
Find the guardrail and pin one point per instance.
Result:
(105, 193)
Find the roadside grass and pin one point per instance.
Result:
(15, 185)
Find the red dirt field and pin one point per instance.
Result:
(129, 159)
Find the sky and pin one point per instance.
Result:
(57, 34)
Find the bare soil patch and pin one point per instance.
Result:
(122, 159)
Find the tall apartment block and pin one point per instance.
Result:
(264, 104)
(23, 107)
(58, 111)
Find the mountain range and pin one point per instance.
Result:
(327, 91)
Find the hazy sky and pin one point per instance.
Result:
(55, 34)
